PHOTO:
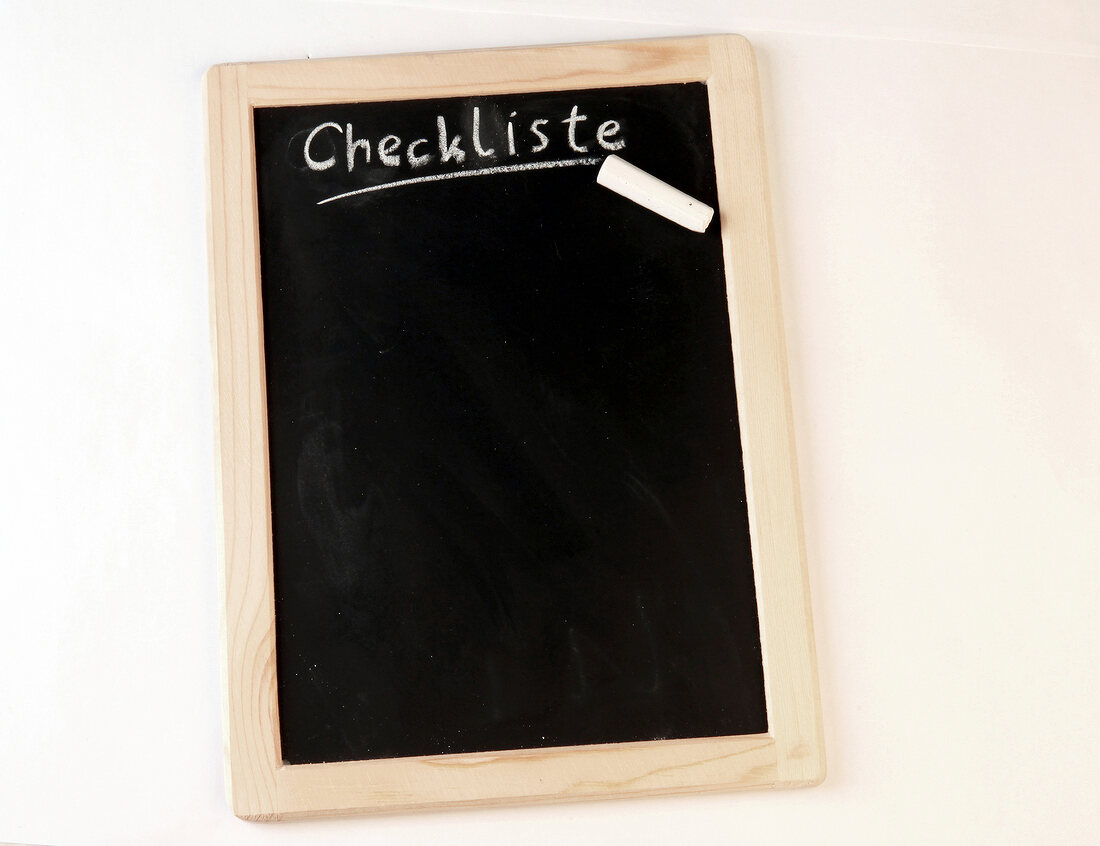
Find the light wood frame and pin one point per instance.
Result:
(259, 785)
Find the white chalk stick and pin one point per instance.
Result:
(649, 191)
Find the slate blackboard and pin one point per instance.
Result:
(507, 491)
(494, 524)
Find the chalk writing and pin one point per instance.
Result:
(486, 142)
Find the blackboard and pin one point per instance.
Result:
(507, 489)
(490, 525)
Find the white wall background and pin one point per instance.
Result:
(936, 176)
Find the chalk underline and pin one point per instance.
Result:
(459, 174)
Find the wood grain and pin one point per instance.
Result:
(259, 786)
(764, 405)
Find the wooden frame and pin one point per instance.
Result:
(259, 785)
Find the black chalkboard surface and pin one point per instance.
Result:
(507, 493)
